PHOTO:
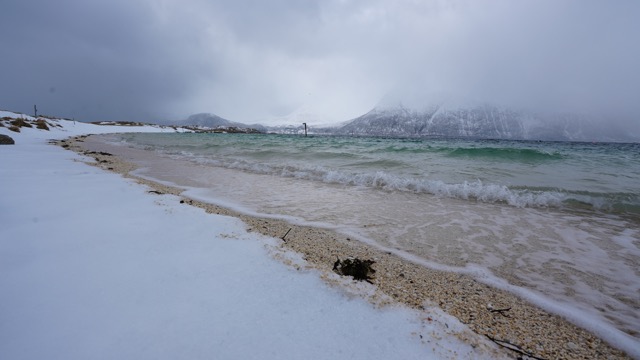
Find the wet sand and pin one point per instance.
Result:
(499, 315)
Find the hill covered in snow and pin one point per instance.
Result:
(215, 122)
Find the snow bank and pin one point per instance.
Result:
(91, 267)
(66, 128)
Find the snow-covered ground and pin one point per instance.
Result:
(92, 267)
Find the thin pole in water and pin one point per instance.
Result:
(305, 129)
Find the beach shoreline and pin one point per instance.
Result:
(497, 314)
(97, 266)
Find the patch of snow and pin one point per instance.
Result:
(14, 115)
(68, 128)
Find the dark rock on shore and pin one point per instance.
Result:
(6, 140)
(359, 269)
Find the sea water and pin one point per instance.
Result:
(558, 221)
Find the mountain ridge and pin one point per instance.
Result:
(483, 120)
(468, 120)
(213, 121)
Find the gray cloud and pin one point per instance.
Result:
(252, 60)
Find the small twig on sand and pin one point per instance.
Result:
(501, 311)
(513, 347)
(285, 235)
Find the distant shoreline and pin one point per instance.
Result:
(494, 313)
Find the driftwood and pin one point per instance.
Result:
(501, 311)
(285, 235)
(359, 269)
(96, 152)
(513, 347)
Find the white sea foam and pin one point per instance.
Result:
(468, 190)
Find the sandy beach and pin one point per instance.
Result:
(521, 328)
(97, 265)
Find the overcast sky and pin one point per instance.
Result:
(254, 60)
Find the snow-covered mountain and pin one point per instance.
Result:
(213, 121)
(482, 121)
(208, 120)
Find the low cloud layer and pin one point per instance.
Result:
(255, 60)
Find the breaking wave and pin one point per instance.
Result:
(468, 190)
(577, 176)
(517, 154)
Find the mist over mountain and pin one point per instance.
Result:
(303, 114)
(483, 120)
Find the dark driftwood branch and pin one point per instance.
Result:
(285, 235)
(501, 311)
(513, 347)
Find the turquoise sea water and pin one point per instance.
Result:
(558, 223)
(597, 176)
